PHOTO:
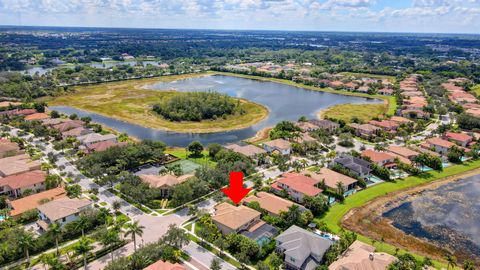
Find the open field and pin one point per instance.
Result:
(127, 101)
(345, 112)
(337, 212)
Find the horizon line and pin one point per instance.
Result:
(252, 30)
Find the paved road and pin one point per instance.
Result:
(204, 256)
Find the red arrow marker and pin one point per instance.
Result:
(236, 192)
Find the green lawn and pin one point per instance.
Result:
(333, 218)
(182, 154)
(346, 112)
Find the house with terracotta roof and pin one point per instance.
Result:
(402, 151)
(304, 138)
(36, 117)
(297, 186)
(68, 125)
(400, 120)
(102, 146)
(324, 124)
(364, 130)
(22, 205)
(382, 159)
(386, 125)
(248, 150)
(307, 126)
(460, 139)
(9, 148)
(273, 204)
(76, 132)
(439, 145)
(331, 179)
(362, 256)
(6, 104)
(386, 92)
(15, 185)
(161, 265)
(50, 122)
(61, 211)
(281, 146)
(303, 250)
(24, 112)
(336, 84)
(164, 182)
(92, 138)
(234, 219)
(18, 164)
(357, 166)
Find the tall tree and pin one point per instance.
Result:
(134, 229)
(109, 239)
(83, 248)
(26, 242)
(56, 231)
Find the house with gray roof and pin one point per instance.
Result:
(92, 138)
(357, 166)
(303, 250)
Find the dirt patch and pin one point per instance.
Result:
(368, 220)
(259, 136)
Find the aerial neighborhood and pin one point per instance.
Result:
(350, 158)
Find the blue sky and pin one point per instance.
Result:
(441, 16)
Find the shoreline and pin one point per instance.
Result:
(368, 219)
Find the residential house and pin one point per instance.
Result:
(307, 126)
(327, 125)
(460, 139)
(362, 256)
(248, 150)
(24, 112)
(76, 132)
(331, 179)
(297, 186)
(382, 159)
(364, 130)
(386, 125)
(6, 104)
(273, 204)
(304, 137)
(281, 146)
(18, 164)
(386, 92)
(102, 146)
(439, 145)
(164, 182)
(415, 114)
(15, 185)
(303, 250)
(50, 122)
(400, 120)
(161, 265)
(405, 155)
(22, 205)
(336, 84)
(61, 211)
(92, 138)
(36, 117)
(234, 219)
(357, 166)
(9, 148)
(68, 125)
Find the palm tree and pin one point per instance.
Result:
(55, 230)
(116, 206)
(44, 259)
(340, 188)
(83, 248)
(134, 229)
(26, 242)
(451, 261)
(109, 239)
(46, 167)
(82, 224)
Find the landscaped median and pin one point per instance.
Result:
(334, 216)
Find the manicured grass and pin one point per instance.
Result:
(334, 216)
(347, 112)
(128, 101)
(368, 75)
(182, 154)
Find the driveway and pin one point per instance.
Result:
(205, 257)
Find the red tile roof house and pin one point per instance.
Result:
(76, 132)
(461, 139)
(16, 185)
(386, 125)
(336, 84)
(307, 126)
(380, 158)
(365, 130)
(102, 146)
(441, 146)
(273, 204)
(282, 146)
(8, 148)
(332, 178)
(161, 265)
(385, 92)
(297, 186)
(36, 116)
(65, 126)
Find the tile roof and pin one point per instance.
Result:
(459, 137)
(360, 256)
(400, 120)
(331, 178)
(305, 126)
(64, 207)
(270, 202)
(23, 180)
(25, 204)
(279, 143)
(234, 217)
(36, 116)
(302, 245)
(76, 132)
(300, 183)
(377, 156)
(248, 150)
(95, 137)
(355, 164)
(102, 146)
(6, 147)
(168, 180)
(4, 104)
(64, 126)
(17, 164)
(440, 142)
(161, 265)
(384, 124)
(402, 151)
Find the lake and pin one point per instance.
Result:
(284, 102)
(448, 216)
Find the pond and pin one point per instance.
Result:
(447, 216)
(284, 102)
